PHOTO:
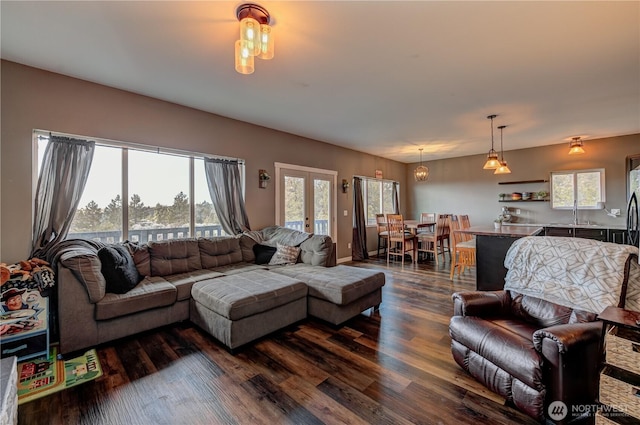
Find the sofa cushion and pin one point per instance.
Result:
(118, 269)
(340, 285)
(85, 265)
(537, 311)
(140, 254)
(245, 294)
(239, 268)
(216, 252)
(174, 256)
(285, 255)
(184, 281)
(316, 250)
(263, 253)
(152, 292)
(285, 236)
(507, 343)
(246, 246)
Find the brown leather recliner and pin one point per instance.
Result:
(533, 351)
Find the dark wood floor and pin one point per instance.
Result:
(389, 367)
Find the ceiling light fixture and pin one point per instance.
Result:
(256, 37)
(502, 169)
(421, 173)
(576, 146)
(492, 158)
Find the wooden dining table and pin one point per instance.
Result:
(415, 225)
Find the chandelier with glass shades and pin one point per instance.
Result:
(256, 37)
(421, 173)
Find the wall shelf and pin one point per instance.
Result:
(525, 181)
(523, 200)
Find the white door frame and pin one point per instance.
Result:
(334, 201)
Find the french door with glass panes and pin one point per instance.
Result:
(306, 200)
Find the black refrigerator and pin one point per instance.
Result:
(633, 216)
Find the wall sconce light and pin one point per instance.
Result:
(263, 178)
(256, 37)
(345, 186)
(575, 147)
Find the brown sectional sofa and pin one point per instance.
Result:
(181, 277)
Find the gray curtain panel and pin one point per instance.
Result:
(396, 200)
(359, 241)
(63, 175)
(225, 188)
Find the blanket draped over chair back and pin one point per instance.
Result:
(579, 273)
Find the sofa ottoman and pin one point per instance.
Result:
(336, 294)
(242, 307)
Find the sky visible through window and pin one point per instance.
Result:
(158, 200)
(161, 188)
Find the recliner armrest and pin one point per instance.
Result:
(565, 337)
(480, 303)
(572, 356)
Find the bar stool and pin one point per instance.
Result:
(464, 251)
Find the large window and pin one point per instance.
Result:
(378, 198)
(161, 202)
(585, 188)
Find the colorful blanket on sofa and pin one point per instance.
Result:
(579, 273)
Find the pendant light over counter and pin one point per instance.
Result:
(502, 169)
(492, 158)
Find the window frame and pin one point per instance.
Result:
(125, 148)
(365, 197)
(576, 189)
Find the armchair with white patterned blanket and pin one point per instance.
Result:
(537, 341)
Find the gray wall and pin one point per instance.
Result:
(36, 99)
(461, 186)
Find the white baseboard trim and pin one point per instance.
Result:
(343, 260)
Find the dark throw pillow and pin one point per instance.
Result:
(118, 269)
(263, 253)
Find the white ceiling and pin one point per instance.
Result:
(383, 77)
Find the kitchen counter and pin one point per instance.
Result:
(571, 225)
(505, 230)
(491, 248)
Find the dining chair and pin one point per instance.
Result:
(428, 243)
(427, 218)
(464, 251)
(443, 234)
(400, 241)
(383, 233)
(465, 224)
(433, 241)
